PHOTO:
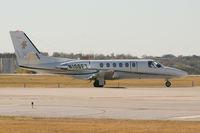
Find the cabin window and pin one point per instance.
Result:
(154, 64)
(101, 64)
(150, 63)
(158, 65)
(120, 65)
(114, 65)
(107, 64)
(70, 66)
(133, 64)
(127, 64)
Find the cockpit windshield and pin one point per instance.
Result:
(154, 64)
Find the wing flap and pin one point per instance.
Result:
(107, 75)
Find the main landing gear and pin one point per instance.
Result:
(99, 83)
(168, 84)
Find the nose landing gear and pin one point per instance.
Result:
(168, 84)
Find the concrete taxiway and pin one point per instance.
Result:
(179, 103)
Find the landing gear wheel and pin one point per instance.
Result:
(168, 84)
(96, 84)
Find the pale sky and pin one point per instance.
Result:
(136, 27)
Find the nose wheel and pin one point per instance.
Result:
(168, 84)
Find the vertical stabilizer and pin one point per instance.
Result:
(25, 50)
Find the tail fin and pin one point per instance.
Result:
(25, 50)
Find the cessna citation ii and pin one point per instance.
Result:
(29, 57)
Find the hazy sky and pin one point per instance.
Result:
(136, 27)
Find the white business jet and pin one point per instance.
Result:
(29, 57)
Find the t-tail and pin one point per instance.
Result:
(26, 52)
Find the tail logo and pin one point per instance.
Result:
(24, 44)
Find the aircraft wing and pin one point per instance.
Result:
(105, 74)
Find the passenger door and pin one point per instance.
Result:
(134, 66)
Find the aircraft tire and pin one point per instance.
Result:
(96, 84)
(168, 84)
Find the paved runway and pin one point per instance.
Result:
(181, 103)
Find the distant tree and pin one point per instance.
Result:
(45, 53)
(168, 56)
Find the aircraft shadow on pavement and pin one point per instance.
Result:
(116, 87)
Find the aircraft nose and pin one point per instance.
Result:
(178, 72)
(182, 73)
